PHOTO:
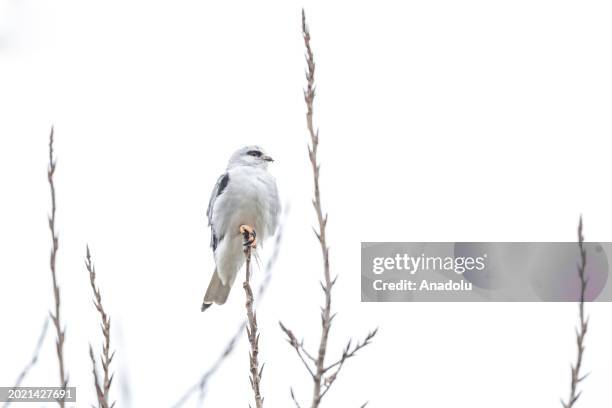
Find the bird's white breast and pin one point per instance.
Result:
(248, 199)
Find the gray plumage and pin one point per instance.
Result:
(245, 194)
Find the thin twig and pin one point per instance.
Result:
(106, 358)
(203, 381)
(55, 317)
(350, 352)
(33, 360)
(252, 333)
(582, 329)
(299, 348)
(346, 354)
(295, 401)
(94, 372)
(321, 382)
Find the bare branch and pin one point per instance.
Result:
(94, 371)
(299, 348)
(106, 358)
(201, 384)
(55, 316)
(33, 360)
(309, 95)
(350, 352)
(297, 404)
(321, 384)
(581, 331)
(252, 334)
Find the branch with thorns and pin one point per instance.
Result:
(103, 390)
(96, 378)
(55, 316)
(252, 334)
(576, 377)
(349, 351)
(318, 370)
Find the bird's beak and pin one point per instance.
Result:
(267, 158)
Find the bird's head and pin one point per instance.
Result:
(253, 156)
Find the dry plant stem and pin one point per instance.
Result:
(203, 382)
(323, 376)
(583, 326)
(326, 317)
(55, 316)
(252, 333)
(33, 360)
(94, 373)
(295, 401)
(331, 371)
(106, 358)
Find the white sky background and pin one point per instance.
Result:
(440, 120)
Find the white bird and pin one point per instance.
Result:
(244, 200)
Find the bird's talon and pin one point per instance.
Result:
(249, 236)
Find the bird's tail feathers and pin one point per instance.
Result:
(217, 292)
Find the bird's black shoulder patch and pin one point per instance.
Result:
(215, 241)
(223, 184)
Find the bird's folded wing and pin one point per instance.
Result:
(220, 186)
